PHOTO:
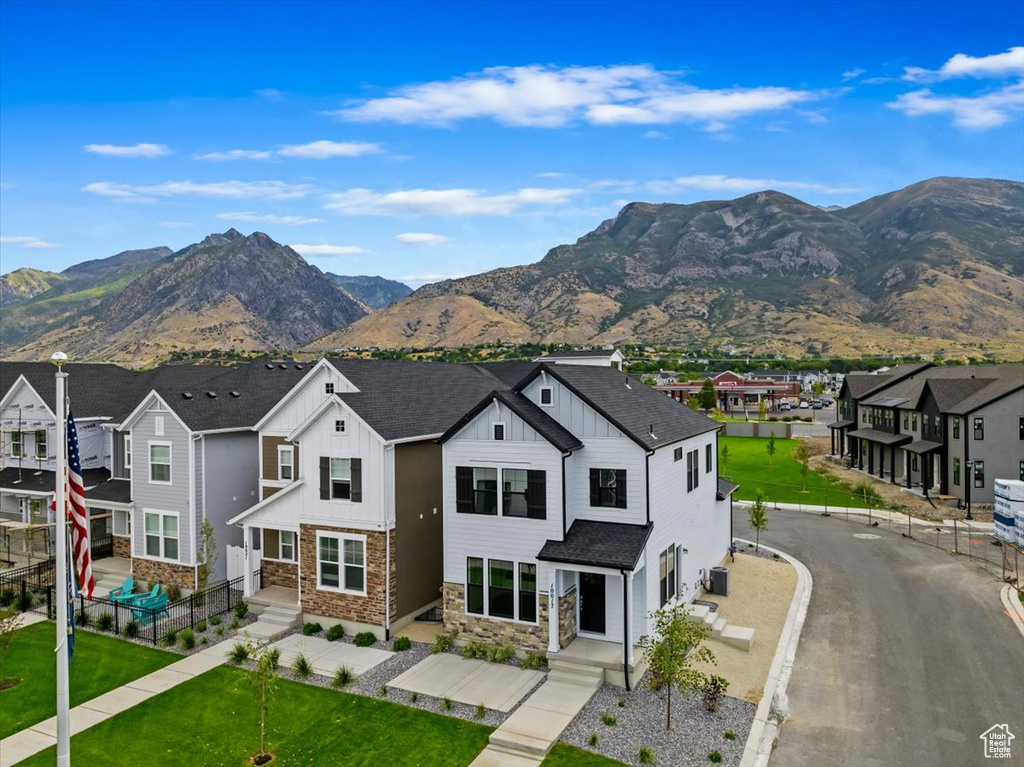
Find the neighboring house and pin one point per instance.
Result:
(920, 425)
(349, 515)
(735, 391)
(595, 358)
(576, 502)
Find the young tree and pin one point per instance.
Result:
(677, 643)
(208, 553)
(818, 387)
(262, 681)
(803, 457)
(762, 409)
(724, 460)
(759, 518)
(707, 395)
(693, 401)
(10, 621)
(770, 447)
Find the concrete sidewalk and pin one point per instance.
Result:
(38, 737)
(881, 515)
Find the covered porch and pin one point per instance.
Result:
(269, 555)
(877, 453)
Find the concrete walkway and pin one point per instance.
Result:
(325, 657)
(38, 737)
(466, 680)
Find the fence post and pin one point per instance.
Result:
(117, 617)
(21, 604)
(192, 609)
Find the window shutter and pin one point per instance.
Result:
(325, 478)
(595, 487)
(620, 488)
(357, 480)
(536, 494)
(464, 489)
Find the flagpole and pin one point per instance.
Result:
(60, 590)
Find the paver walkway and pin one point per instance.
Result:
(496, 686)
(325, 657)
(38, 737)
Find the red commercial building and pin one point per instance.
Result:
(736, 392)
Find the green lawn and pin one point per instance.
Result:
(567, 756)
(101, 663)
(781, 481)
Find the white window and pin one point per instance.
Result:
(127, 451)
(341, 562)
(285, 463)
(158, 425)
(278, 544)
(341, 478)
(16, 444)
(160, 462)
(547, 396)
(339, 426)
(162, 534)
(329, 387)
(499, 431)
(288, 545)
(41, 443)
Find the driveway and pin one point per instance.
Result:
(906, 656)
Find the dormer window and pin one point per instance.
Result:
(499, 431)
(339, 426)
(329, 387)
(546, 396)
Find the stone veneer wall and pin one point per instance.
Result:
(567, 618)
(522, 636)
(122, 546)
(276, 573)
(369, 609)
(164, 573)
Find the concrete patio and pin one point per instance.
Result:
(326, 657)
(474, 682)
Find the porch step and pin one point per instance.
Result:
(590, 677)
(738, 636)
(516, 744)
(274, 621)
(718, 626)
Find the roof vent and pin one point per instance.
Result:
(235, 394)
(298, 367)
(283, 366)
(269, 366)
(186, 394)
(211, 394)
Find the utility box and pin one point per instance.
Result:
(720, 581)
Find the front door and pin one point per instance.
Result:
(592, 603)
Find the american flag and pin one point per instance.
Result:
(77, 514)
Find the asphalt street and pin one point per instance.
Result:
(906, 655)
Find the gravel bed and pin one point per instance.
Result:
(763, 553)
(696, 732)
(204, 640)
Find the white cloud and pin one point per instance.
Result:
(1007, 64)
(325, 150)
(981, 112)
(655, 135)
(329, 250)
(257, 190)
(421, 238)
(32, 243)
(853, 74)
(552, 97)
(235, 154)
(737, 184)
(444, 202)
(271, 94)
(418, 280)
(176, 224)
(136, 150)
(551, 174)
(269, 218)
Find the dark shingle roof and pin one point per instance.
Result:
(96, 390)
(725, 489)
(508, 373)
(113, 490)
(576, 355)
(632, 406)
(957, 389)
(42, 481)
(541, 422)
(600, 544)
(891, 376)
(882, 437)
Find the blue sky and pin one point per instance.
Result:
(421, 141)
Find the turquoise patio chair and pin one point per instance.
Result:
(124, 592)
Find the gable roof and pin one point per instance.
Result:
(631, 406)
(541, 422)
(890, 376)
(956, 389)
(604, 354)
(600, 544)
(95, 389)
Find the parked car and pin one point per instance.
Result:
(804, 405)
(817, 404)
(784, 407)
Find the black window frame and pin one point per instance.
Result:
(708, 457)
(1020, 470)
(501, 593)
(550, 392)
(667, 575)
(468, 498)
(329, 387)
(339, 426)
(692, 470)
(604, 495)
(978, 473)
(526, 599)
(956, 472)
(475, 591)
(677, 455)
(956, 427)
(979, 428)
(498, 432)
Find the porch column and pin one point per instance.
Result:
(553, 614)
(906, 467)
(892, 464)
(871, 458)
(248, 585)
(627, 619)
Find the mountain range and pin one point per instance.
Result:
(938, 265)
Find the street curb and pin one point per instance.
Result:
(1013, 612)
(774, 704)
(879, 514)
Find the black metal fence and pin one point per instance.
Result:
(101, 546)
(151, 624)
(17, 586)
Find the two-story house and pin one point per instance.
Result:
(575, 503)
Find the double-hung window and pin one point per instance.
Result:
(708, 457)
(278, 544)
(285, 463)
(956, 427)
(160, 462)
(341, 478)
(527, 592)
(979, 474)
(161, 534)
(501, 584)
(608, 488)
(524, 493)
(341, 562)
(501, 588)
(127, 451)
(979, 429)
(692, 470)
(41, 444)
(476, 490)
(16, 444)
(667, 574)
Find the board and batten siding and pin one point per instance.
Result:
(571, 411)
(147, 495)
(307, 399)
(27, 411)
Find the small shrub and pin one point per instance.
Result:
(219, 631)
(414, 697)
(622, 702)
(534, 659)
(335, 632)
(446, 704)
(131, 629)
(342, 676)
(170, 637)
(309, 629)
(714, 687)
(593, 741)
(443, 642)
(500, 653)
(608, 719)
(215, 620)
(105, 622)
(715, 757)
(203, 640)
(172, 591)
(364, 639)
(474, 650)
(241, 610)
(382, 691)
(274, 657)
(239, 654)
(401, 644)
(7, 597)
(187, 639)
(480, 712)
(82, 618)
(234, 624)
(301, 667)
(773, 418)
(729, 734)
(645, 755)
(775, 556)
(201, 627)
